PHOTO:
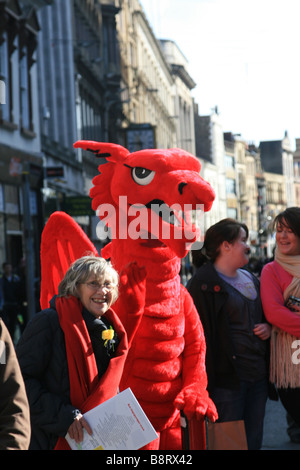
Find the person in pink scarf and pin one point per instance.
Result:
(280, 280)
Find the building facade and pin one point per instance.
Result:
(57, 105)
(21, 158)
(210, 149)
(80, 98)
(277, 157)
(147, 83)
(183, 100)
(94, 70)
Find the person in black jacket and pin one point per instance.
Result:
(228, 302)
(66, 351)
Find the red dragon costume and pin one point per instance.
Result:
(137, 195)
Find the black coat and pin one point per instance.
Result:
(210, 297)
(43, 361)
(42, 357)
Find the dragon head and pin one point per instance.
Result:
(146, 195)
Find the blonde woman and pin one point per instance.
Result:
(72, 354)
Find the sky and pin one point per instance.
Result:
(244, 56)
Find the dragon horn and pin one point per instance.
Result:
(112, 152)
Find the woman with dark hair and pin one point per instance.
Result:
(228, 302)
(280, 289)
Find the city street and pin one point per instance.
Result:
(275, 434)
(275, 426)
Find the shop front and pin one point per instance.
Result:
(21, 212)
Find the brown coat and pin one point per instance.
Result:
(14, 409)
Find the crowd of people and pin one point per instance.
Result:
(250, 322)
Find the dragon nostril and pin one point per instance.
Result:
(181, 186)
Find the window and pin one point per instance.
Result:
(230, 186)
(280, 194)
(232, 213)
(229, 161)
(27, 45)
(90, 117)
(17, 46)
(11, 199)
(110, 44)
(24, 89)
(5, 109)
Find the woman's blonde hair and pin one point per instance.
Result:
(82, 269)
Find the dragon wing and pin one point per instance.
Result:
(63, 241)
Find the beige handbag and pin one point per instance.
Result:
(229, 435)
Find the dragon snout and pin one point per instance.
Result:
(199, 192)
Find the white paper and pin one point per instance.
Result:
(117, 424)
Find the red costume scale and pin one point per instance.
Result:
(165, 366)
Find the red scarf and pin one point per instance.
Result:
(86, 390)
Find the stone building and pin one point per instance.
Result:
(277, 157)
(93, 69)
(183, 100)
(147, 83)
(210, 149)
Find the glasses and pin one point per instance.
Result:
(94, 285)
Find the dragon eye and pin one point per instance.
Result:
(142, 176)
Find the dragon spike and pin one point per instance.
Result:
(113, 152)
